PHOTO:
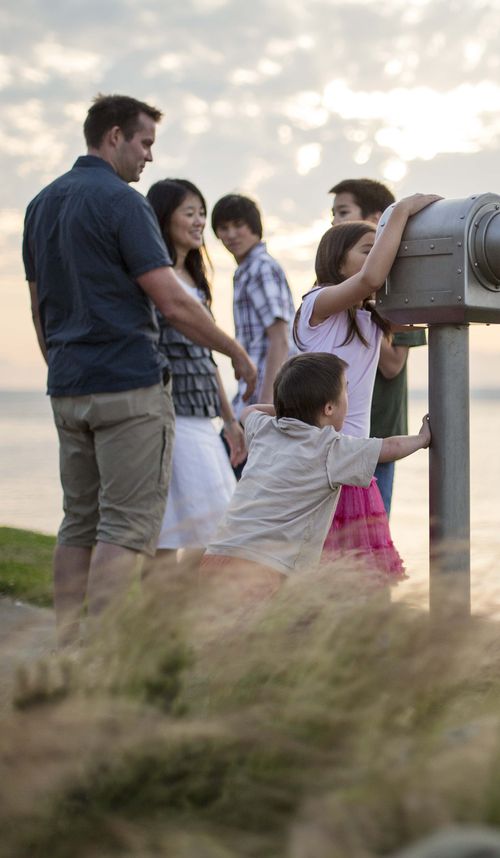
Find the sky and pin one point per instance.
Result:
(278, 100)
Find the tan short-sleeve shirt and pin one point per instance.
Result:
(283, 505)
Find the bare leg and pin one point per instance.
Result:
(191, 556)
(239, 581)
(112, 571)
(163, 563)
(71, 572)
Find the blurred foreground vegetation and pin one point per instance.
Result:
(323, 723)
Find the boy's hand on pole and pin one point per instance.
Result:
(425, 432)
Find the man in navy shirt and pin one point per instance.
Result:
(96, 264)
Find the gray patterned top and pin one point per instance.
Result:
(194, 384)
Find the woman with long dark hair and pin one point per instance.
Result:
(202, 480)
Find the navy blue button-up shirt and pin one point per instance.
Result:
(87, 237)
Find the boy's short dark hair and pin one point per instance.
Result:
(110, 110)
(305, 383)
(369, 195)
(237, 207)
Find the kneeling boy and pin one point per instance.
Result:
(298, 460)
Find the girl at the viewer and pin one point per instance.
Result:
(337, 316)
(202, 479)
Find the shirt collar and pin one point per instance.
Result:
(94, 161)
(257, 250)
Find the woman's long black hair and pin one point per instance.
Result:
(165, 197)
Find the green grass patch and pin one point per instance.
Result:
(26, 565)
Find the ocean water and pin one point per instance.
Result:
(30, 494)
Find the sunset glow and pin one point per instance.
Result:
(277, 100)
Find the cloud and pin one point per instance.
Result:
(29, 138)
(5, 72)
(209, 5)
(174, 65)
(11, 223)
(54, 57)
(284, 47)
(306, 110)
(278, 99)
(308, 157)
(259, 171)
(420, 122)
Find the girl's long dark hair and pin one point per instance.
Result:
(330, 256)
(165, 197)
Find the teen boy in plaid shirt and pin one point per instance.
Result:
(262, 305)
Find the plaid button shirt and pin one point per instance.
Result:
(261, 297)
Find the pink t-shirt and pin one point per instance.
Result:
(361, 360)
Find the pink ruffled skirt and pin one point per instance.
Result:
(360, 526)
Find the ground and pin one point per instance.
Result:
(27, 634)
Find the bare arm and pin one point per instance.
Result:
(392, 359)
(265, 407)
(190, 318)
(233, 433)
(334, 299)
(400, 446)
(226, 411)
(35, 314)
(277, 353)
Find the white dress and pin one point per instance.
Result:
(202, 481)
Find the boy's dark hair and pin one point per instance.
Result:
(237, 207)
(305, 383)
(110, 110)
(369, 195)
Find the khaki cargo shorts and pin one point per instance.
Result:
(115, 457)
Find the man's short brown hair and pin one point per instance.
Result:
(110, 110)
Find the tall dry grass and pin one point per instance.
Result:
(323, 722)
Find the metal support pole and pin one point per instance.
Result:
(449, 471)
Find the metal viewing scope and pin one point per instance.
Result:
(447, 270)
(446, 275)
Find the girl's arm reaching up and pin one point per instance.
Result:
(334, 299)
(400, 446)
